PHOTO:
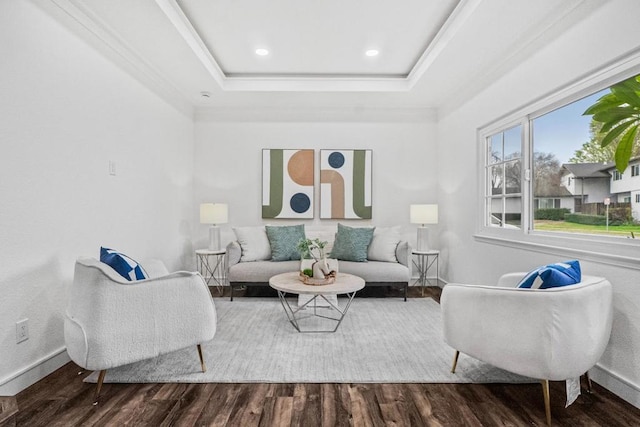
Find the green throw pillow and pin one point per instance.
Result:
(284, 241)
(352, 243)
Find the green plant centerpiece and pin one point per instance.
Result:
(314, 249)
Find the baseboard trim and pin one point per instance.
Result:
(31, 374)
(413, 281)
(617, 384)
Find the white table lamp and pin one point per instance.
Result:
(214, 214)
(423, 214)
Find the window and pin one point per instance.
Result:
(503, 201)
(547, 204)
(638, 198)
(552, 160)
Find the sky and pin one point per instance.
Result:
(564, 130)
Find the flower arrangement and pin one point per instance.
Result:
(314, 248)
(307, 246)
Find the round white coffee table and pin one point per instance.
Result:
(290, 283)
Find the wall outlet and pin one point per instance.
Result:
(112, 167)
(22, 330)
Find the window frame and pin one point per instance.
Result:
(505, 195)
(596, 248)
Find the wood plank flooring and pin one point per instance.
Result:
(62, 399)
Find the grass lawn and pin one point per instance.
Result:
(571, 227)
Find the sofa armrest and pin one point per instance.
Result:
(234, 252)
(403, 253)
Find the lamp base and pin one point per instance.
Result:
(423, 239)
(214, 238)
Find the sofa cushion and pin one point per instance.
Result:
(122, 264)
(351, 243)
(254, 243)
(552, 276)
(284, 241)
(376, 271)
(383, 244)
(261, 271)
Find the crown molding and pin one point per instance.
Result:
(447, 32)
(109, 43)
(356, 83)
(317, 114)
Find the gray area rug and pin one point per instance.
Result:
(381, 340)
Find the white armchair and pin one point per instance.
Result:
(112, 322)
(549, 334)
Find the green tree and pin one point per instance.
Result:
(619, 114)
(593, 151)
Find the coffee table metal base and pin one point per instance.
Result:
(294, 317)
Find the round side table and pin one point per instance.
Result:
(212, 266)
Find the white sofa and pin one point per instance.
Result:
(548, 334)
(396, 271)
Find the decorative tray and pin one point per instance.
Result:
(328, 280)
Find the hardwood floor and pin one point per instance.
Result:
(62, 399)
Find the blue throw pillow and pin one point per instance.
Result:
(125, 266)
(553, 276)
(352, 243)
(284, 241)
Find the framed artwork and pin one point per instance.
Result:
(345, 184)
(287, 183)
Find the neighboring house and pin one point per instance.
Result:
(594, 182)
(625, 187)
(587, 182)
(553, 197)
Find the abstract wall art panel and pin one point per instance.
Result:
(345, 184)
(287, 183)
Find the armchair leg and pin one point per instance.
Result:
(99, 386)
(204, 367)
(589, 390)
(547, 402)
(455, 362)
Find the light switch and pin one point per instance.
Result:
(112, 167)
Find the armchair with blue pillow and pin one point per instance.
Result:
(119, 312)
(551, 324)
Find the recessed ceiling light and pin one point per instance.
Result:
(372, 52)
(262, 52)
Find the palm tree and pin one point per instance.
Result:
(619, 113)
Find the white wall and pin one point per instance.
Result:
(65, 111)
(579, 51)
(228, 165)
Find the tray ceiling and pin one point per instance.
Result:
(432, 53)
(316, 38)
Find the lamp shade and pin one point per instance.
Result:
(214, 213)
(424, 214)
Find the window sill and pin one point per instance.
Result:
(616, 252)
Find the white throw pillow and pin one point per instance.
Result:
(383, 244)
(254, 243)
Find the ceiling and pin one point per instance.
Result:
(316, 38)
(431, 53)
